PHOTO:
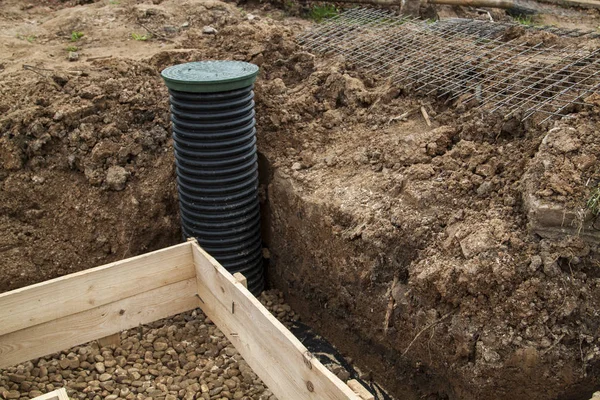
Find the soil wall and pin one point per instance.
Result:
(342, 284)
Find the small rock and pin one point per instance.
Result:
(116, 178)
(160, 346)
(296, 166)
(78, 386)
(230, 351)
(16, 378)
(13, 394)
(186, 24)
(104, 377)
(343, 374)
(100, 367)
(486, 170)
(477, 242)
(266, 253)
(215, 391)
(209, 30)
(484, 188)
(551, 268)
(330, 161)
(536, 262)
(73, 56)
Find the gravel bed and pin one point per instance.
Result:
(182, 357)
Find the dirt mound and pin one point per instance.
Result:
(455, 225)
(87, 170)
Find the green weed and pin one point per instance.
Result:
(29, 38)
(140, 38)
(593, 203)
(320, 12)
(72, 48)
(114, 2)
(75, 36)
(526, 20)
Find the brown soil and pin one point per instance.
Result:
(472, 235)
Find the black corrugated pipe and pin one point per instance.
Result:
(212, 114)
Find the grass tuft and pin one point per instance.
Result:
(319, 12)
(593, 203)
(140, 38)
(526, 20)
(29, 38)
(75, 36)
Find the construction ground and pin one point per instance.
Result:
(447, 253)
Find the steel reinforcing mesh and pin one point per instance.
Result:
(480, 62)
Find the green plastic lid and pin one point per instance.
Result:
(210, 76)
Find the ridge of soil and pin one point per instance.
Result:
(475, 227)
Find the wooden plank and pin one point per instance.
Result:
(95, 287)
(360, 390)
(574, 3)
(59, 394)
(76, 329)
(275, 355)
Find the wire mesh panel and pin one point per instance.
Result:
(490, 64)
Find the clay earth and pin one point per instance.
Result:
(457, 261)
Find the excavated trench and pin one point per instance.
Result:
(451, 261)
(352, 287)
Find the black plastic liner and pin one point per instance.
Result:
(217, 177)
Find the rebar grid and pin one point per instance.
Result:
(490, 65)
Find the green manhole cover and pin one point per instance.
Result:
(210, 76)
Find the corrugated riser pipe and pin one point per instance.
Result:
(212, 113)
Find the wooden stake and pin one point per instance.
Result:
(241, 279)
(426, 116)
(110, 339)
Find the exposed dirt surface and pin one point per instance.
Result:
(86, 158)
(453, 261)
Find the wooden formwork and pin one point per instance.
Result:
(51, 316)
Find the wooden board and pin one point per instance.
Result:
(271, 350)
(574, 3)
(55, 315)
(63, 333)
(360, 390)
(59, 394)
(94, 287)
